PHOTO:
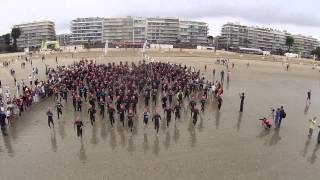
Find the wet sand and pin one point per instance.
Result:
(223, 145)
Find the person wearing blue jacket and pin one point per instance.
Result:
(282, 115)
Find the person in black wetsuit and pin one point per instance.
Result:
(121, 114)
(168, 111)
(195, 116)
(111, 111)
(203, 102)
(241, 101)
(74, 102)
(146, 98)
(145, 117)
(50, 117)
(192, 104)
(59, 109)
(154, 96)
(92, 112)
(219, 99)
(79, 124)
(177, 109)
(130, 120)
(3, 123)
(102, 107)
(164, 101)
(79, 104)
(156, 118)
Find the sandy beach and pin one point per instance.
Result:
(224, 145)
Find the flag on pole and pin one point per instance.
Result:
(106, 48)
(144, 47)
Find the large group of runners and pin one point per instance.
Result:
(116, 88)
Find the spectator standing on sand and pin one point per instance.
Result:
(222, 76)
(241, 101)
(313, 125)
(309, 96)
(282, 115)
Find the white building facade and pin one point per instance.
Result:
(235, 36)
(33, 33)
(86, 30)
(135, 30)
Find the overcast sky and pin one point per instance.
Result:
(295, 16)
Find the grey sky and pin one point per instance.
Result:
(295, 16)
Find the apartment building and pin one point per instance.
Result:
(235, 35)
(126, 30)
(63, 39)
(193, 32)
(33, 33)
(303, 45)
(162, 30)
(86, 30)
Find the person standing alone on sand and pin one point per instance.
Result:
(241, 101)
(313, 125)
(222, 76)
(309, 96)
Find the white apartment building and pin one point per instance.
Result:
(124, 30)
(135, 30)
(303, 45)
(86, 30)
(162, 30)
(33, 33)
(193, 32)
(235, 35)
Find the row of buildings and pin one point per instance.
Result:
(120, 30)
(134, 31)
(235, 36)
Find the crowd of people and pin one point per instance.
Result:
(13, 105)
(117, 89)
